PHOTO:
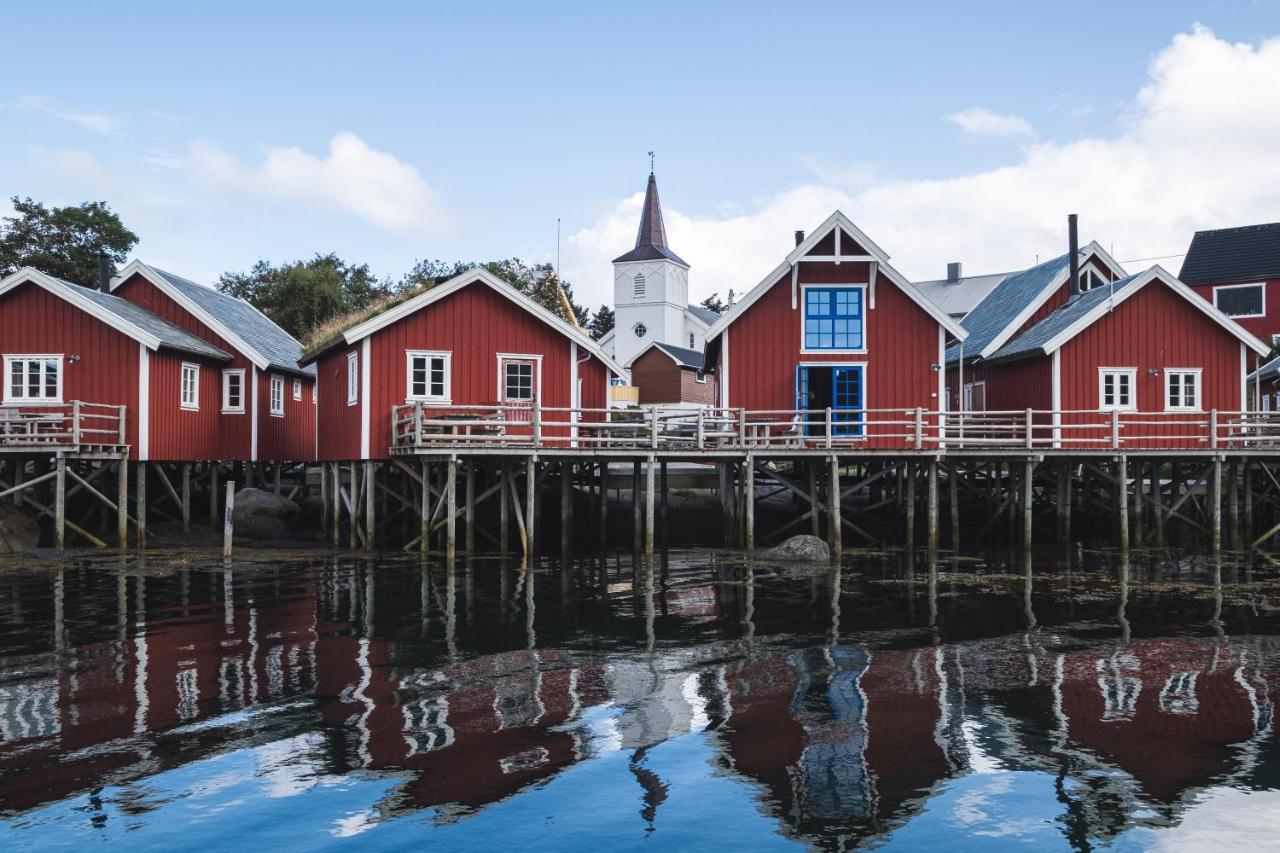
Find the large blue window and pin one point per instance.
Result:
(833, 318)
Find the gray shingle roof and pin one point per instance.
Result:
(170, 336)
(1233, 254)
(1268, 371)
(706, 315)
(1041, 333)
(277, 346)
(684, 357)
(1003, 304)
(958, 298)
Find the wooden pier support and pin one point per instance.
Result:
(833, 498)
(370, 516)
(141, 496)
(1215, 498)
(1122, 487)
(185, 493)
(451, 511)
(749, 503)
(953, 503)
(505, 494)
(531, 500)
(604, 505)
(815, 523)
(909, 482)
(650, 471)
(470, 511)
(60, 504)
(1028, 502)
(637, 522)
(932, 503)
(424, 509)
(566, 510)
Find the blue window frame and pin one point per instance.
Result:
(842, 387)
(833, 318)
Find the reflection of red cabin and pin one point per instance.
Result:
(471, 341)
(834, 325)
(261, 406)
(62, 343)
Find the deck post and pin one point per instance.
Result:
(723, 488)
(1060, 502)
(228, 530)
(650, 470)
(953, 502)
(1215, 495)
(604, 504)
(60, 504)
(749, 498)
(1122, 486)
(213, 493)
(1028, 502)
(932, 500)
(909, 499)
(1233, 503)
(354, 510)
(424, 509)
(451, 511)
(1248, 502)
(834, 522)
(531, 499)
(186, 496)
(370, 513)
(122, 502)
(335, 476)
(1157, 508)
(815, 524)
(637, 523)
(141, 490)
(1138, 493)
(566, 509)
(505, 496)
(19, 474)
(275, 478)
(662, 503)
(470, 511)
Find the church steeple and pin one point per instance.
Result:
(651, 239)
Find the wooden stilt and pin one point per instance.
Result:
(506, 495)
(566, 510)
(1028, 503)
(530, 503)
(637, 522)
(1122, 487)
(650, 471)
(909, 503)
(662, 505)
(1233, 503)
(370, 516)
(275, 475)
(424, 509)
(604, 505)
(833, 493)
(451, 512)
(932, 503)
(353, 511)
(470, 512)
(185, 487)
(335, 476)
(60, 504)
(749, 504)
(815, 523)
(122, 502)
(953, 502)
(141, 490)
(1215, 496)
(213, 493)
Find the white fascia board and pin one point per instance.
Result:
(481, 275)
(67, 293)
(219, 328)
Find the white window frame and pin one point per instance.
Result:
(189, 368)
(22, 399)
(1275, 341)
(1099, 280)
(1132, 373)
(1198, 373)
(353, 378)
(297, 389)
(447, 357)
(968, 392)
(1259, 284)
(865, 317)
(700, 376)
(227, 408)
(276, 397)
(314, 385)
(503, 358)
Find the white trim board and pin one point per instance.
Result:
(67, 293)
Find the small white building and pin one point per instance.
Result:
(651, 292)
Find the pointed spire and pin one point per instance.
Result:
(651, 238)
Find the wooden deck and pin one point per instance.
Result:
(76, 428)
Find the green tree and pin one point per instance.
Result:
(714, 303)
(63, 241)
(302, 295)
(601, 322)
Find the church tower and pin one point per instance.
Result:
(650, 287)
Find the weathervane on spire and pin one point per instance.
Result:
(650, 162)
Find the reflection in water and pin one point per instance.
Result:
(754, 703)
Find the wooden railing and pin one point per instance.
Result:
(63, 425)
(425, 425)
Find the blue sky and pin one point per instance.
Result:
(465, 130)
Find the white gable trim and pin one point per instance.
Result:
(658, 346)
(219, 328)
(878, 258)
(68, 293)
(1156, 273)
(483, 276)
(1092, 250)
(144, 403)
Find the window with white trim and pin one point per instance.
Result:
(233, 392)
(517, 380)
(428, 376)
(313, 392)
(353, 378)
(1182, 390)
(33, 379)
(277, 396)
(1275, 341)
(1091, 278)
(1241, 300)
(297, 389)
(639, 283)
(1117, 389)
(691, 346)
(190, 387)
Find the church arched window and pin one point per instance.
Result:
(691, 340)
(639, 286)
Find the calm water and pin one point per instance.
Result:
(330, 702)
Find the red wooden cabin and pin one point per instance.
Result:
(668, 375)
(472, 347)
(833, 326)
(263, 403)
(1238, 270)
(1141, 358)
(63, 343)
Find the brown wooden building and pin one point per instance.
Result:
(668, 374)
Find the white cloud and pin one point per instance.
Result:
(100, 122)
(353, 178)
(1185, 158)
(979, 121)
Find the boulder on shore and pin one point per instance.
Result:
(798, 549)
(18, 529)
(263, 515)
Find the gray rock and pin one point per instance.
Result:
(798, 549)
(18, 529)
(261, 514)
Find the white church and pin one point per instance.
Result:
(651, 295)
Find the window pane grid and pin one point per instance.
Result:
(833, 318)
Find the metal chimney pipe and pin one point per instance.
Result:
(104, 271)
(953, 272)
(1073, 253)
(799, 237)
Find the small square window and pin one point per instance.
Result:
(517, 380)
(277, 396)
(189, 397)
(1182, 390)
(1116, 389)
(233, 392)
(428, 376)
(297, 389)
(353, 378)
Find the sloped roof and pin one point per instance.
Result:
(121, 314)
(651, 238)
(276, 346)
(1268, 371)
(958, 298)
(706, 315)
(1059, 320)
(1233, 254)
(682, 356)
(1006, 301)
